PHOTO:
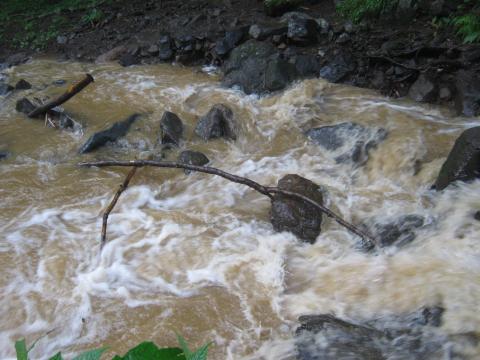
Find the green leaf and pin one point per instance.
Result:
(21, 349)
(91, 354)
(57, 356)
(200, 354)
(149, 351)
(184, 346)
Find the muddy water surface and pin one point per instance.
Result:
(196, 254)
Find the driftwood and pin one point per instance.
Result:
(72, 91)
(264, 190)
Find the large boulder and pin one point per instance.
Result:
(171, 128)
(256, 67)
(231, 40)
(349, 141)
(302, 31)
(467, 97)
(116, 131)
(423, 89)
(218, 122)
(296, 216)
(307, 65)
(402, 337)
(23, 85)
(338, 68)
(165, 51)
(25, 106)
(463, 162)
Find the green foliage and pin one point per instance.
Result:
(468, 27)
(145, 351)
(93, 17)
(356, 10)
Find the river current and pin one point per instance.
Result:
(197, 255)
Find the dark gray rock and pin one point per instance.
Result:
(338, 69)
(116, 131)
(16, 59)
(256, 67)
(477, 215)
(400, 337)
(343, 38)
(398, 232)
(467, 97)
(463, 162)
(231, 40)
(307, 65)
(352, 140)
(128, 60)
(300, 218)
(5, 89)
(23, 85)
(153, 50)
(165, 51)
(302, 31)
(4, 154)
(171, 128)
(193, 158)
(262, 32)
(24, 106)
(278, 74)
(218, 122)
(423, 89)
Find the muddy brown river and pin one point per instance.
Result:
(196, 254)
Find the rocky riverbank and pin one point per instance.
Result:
(406, 55)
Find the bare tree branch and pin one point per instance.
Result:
(264, 190)
(112, 204)
(72, 91)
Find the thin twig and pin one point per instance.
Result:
(265, 190)
(112, 204)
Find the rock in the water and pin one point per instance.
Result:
(407, 337)
(111, 134)
(193, 158)
(302, 31)
(128, 60)
(300, 218)
(218, 122)
(350, 140)
(467, 96)
(4, 154)
(23, 85)
(423, 90)
(463, 162)
(25, 106)
(112, 55)
(257, 68)
(5, 89)
(171, 128)
(398, 232)
(477, 215)
(338, 68)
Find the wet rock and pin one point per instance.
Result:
(477, 215)
(116, 131)
(193, 158)
(423, 89)
(5, 89)
(165, 51)
(337, 69)
(4, 154)
(278, 74)
(352, 141)
(398, 232)
(278, 8)
(59, 82)
(260, 32)
(218, 122)
(189, 50)
(23, 85)
(307, 65)
(343, 38)
(24, 106)
(171, 128)
(467, 97)
(302, 31)
(16, 59)
(231, 40)
(112, 55)
(402, 337)
(62, 40)
(296, 216)
(463, 162)
(153, 50)
(128, 60)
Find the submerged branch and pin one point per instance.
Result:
(264, 190)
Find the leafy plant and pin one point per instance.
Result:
(356, 10)
(93, 17)
(468, 27)
(145, 351)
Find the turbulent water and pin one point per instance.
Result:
(196, 254)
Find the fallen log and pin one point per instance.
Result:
(264, 190)
(72, 91)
